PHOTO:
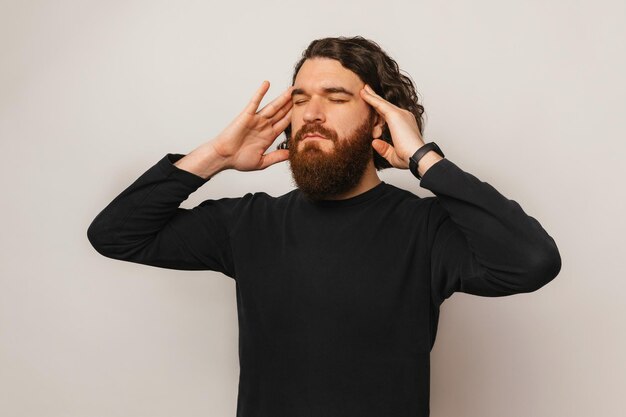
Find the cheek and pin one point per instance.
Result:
(348, 115)
(345, 123)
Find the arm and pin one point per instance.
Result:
(144, 224)
(483, 243)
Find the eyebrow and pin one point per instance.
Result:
(327, 90)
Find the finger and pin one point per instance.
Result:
(256, 99)
(281, 112)
(270, 109)
(380, 104)
(274, 157)
(282, 124)
(387, 151)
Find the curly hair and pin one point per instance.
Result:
(374, 67)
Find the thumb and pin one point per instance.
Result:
(380, 146)
(387, 151)
(273, 157)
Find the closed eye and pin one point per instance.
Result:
(334, 101)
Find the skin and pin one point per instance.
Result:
(243, 143)
(337, 112)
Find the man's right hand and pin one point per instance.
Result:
(244, 142)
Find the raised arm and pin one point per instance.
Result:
(482, 242)
(145, 224)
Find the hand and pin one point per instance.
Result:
(405, 133)
(244, 142)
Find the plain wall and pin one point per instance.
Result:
(526, 95)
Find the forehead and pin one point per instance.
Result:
(317, 73)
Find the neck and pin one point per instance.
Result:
(368, 181)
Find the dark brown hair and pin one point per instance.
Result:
(374, 67)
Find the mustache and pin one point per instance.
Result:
(315, 129)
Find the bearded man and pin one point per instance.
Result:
(339, 282)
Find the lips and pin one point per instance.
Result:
(313, 135)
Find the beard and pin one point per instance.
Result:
(321, 174)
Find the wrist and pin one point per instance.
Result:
(203, 161)
(428, 160)
(424, 157)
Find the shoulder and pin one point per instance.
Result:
(403, 198)
(254, 202)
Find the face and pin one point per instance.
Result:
(326, 102)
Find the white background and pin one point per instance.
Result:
(526, 95)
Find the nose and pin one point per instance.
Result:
(314, 111)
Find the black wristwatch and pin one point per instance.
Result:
(413, 160)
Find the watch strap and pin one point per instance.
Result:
(423, 150)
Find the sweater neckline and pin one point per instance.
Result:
(370, 194)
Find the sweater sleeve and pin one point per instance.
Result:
(145, 224)
(482, 243)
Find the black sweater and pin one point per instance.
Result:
(338, 301)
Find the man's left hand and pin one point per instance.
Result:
(405, 133)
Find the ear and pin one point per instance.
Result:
(379, 125)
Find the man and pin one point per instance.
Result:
(339, 281)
